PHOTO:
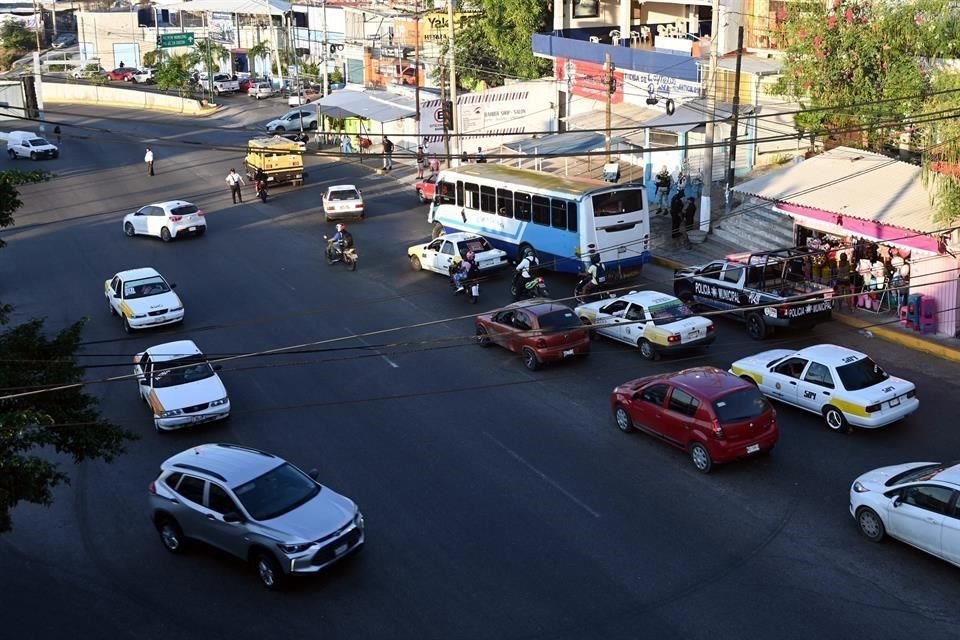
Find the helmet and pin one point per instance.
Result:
(470, 255)
(528, 253)
(341, 227)
(594, 258)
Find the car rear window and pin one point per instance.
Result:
(184, 210)
(477, 245)
(740, 405)
(861, 374)
(346, 194)
(558, 320)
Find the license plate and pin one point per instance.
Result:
(753, 448)
(895, 402)
(191, 229)
(567, 352)
(694, 335)
(342, 549)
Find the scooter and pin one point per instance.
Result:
(261, 188)
(471, 286)
(534, 288)
(347, 256)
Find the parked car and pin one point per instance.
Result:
(26, 144)
(123, 74)
(712, 415)
(245, 84)
(260, 90)
(64, 40)
(88, 71)
(343, 201)
(293, 121)
(255, 506)
(917, 503)
(303, 97)
(165, 220)
(142, 298)
(145, 76)
(427, 188)
(539, 330)
(437, 254)
(843, 386)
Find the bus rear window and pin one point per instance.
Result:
(617, 202)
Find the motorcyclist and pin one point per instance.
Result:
(527, 264)
(594, 273)
(464, 270)
(340, 241)
(260, 181)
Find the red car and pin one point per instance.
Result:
(713, 415)
(539, 330)
(427, 189)
(122, 73)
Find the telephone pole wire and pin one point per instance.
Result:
(731, 171)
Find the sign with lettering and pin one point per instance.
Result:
(714, 292)
(640, 85)
(176, 39)
(586, 79)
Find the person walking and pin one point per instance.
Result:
(234, 180)
(56, 132)
(434, 165)
(664, 181)
(676, 218)
(148, 159)
(421, 160)
(387, 154)
(345, 146)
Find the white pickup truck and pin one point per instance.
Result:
(223, 83)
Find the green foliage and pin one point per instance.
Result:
(173, 74)
(65, 421)
(256, 52)
(941, 139)
(310, 70)
(15, 36)
(335, 76)
(7, 58)
(208, 53)
(152, 58)
(10, 197)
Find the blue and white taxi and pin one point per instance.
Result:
(142, 298)
(652, 321)
(437, 254)
(844, 386)
(180, 386)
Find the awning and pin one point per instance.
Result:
(254, 7)
(379, 106)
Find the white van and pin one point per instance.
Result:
(26, 144)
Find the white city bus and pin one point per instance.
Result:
(562, 219)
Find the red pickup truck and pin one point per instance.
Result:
(427, 189)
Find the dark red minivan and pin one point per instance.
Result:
(711, 414)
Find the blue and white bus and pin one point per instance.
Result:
(562, 219)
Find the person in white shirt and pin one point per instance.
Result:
(148, 159)
(235, 180)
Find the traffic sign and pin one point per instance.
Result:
(176, 40)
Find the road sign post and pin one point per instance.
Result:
(176, 40)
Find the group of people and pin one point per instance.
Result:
(682, 209)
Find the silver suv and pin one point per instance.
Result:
(255, 506)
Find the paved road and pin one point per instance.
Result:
(500, 503)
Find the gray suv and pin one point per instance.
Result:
(255, 506)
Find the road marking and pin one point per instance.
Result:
(364, 342)
(516, 456)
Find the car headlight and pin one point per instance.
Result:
(295, 548)
(139, 315)
(358, 519)
(859, 488)
(220, 402)
(171, 413)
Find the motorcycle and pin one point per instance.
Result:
(471, 286)
(348, 256)
(261, 188)
(596, 294)
(534, 288)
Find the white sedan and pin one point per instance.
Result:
(342, 201)
(142, 298)
(844, 386)
(653, 322)
(165, 220)
(915, 503)
(180, 386)
(437, 254)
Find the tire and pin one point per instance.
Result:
(749, 379)
(330, 260)
(483, 338)
(351, 263)
(835, 420)
(756, 326)
(12, 154)
(437, 231)
(415, 263)
(530, 359)
(312, 126)
(171, 536)
(201, 230)
(870, 524)
(279, 129)
(165, 234)
(623, 419)
(420, 197)
(33, 156)
(647, 350)
(700, 458)
(128, 230)
(686, 295)
(268, 570)
(126, 326)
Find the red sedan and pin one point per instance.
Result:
(539, 330)
(124, 74)
(427, 189)
(711, 414)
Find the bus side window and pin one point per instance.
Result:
(472, 192)
(558, 214)
(505, 203)
(521, 209)
(571, 216)
(541, 210)
(488, 200)
(460, 201)
(444, 193)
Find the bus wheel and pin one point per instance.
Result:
(437, 231)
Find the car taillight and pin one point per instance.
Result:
(541, 343)
(711, 328)
(152, 488)
(176, 218)
(360, 206)
(673, 339)
(200, 213)
(873, 408)
(716, 428)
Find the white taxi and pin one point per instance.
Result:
(180, 386)
(142, 298)
(437, 254)
(652, 321)
(844, 386)
(342, 201)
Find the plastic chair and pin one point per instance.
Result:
(615, 37)
(595, 39)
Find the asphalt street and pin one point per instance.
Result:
(500, 503)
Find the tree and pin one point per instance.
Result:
(258, 52)
(208, 53)
(152, 58)
(10, 197)
(15, 36)
(174, 73)
(941, 139)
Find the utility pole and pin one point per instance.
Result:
(731, 173)
(710, 94)
(610, 80)
(326, 53)
(38, 22)
(446, 123)
(416, 67)
(452, 52)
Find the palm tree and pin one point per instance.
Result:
(260, 50)
(207, 52)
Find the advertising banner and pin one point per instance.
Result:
(220, 28)
(585, 79)
(638, 86)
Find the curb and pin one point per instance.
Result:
(885, 333)
(202, 113)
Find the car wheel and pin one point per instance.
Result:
(437, 231)
(870, 524)
(700, 458)
(483, 338)
(420, 197)
(278, 129)
(591, 333)
(415, 263)
(313, 126)
(201, 230)
(685, 295)
(165, 234)
(624, 422)
(12, 154)
(171, 536)
(126, 326)
(530, 359)
(647, 350)
(749, 379)
(268, 570)
(835, 419)
(128, 230)
(33, 155)
(756, 326)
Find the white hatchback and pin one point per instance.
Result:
(142, 298)
(916, 503)
(342, 201)
(165, 220)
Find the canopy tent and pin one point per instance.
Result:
(255, 7)
(379, 106)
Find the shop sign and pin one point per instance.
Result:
(639, 86)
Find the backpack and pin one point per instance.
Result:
(347, 239)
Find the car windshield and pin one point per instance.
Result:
(184, 210)
(476, 245)
(919, 474)
(276, 492)
(559, 320)
(669, 312)
(143, 288)
(344, 194)
(181, 371)
(740, 405)
(861, 374)
(38, 142)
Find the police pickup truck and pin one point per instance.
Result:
(765, 289)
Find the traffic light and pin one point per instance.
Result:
(448, 112)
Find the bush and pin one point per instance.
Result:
(8, 57)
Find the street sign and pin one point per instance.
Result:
(176, 40)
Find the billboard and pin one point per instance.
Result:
(220, 28)
(585, 80)
(638, 86)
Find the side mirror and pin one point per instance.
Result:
(232, 517)
(898, 501)
(173, 285)
(314, 474)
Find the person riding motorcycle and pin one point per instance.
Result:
(260, 182)
(522, 274)
(595, 274)
(463, 270)
(340, 241)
